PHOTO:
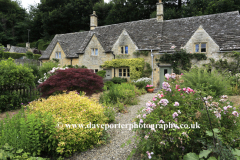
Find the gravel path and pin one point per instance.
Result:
(113, 150)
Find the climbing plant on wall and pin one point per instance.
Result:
(181, 60)
(225, 64)
(138, 53)
(136, 66)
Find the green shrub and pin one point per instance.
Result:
(8, 152)
(13, 75)
(6, 55)
(108, 84)
(75, 66)
(120, 95)
(110, 113)
(36, 56)
(177, 105)
(47, 66)
(33, 133)
(35, 71)
(118, 80)
(82, 110)
(101, 73)
(29, 55)
(213, 83)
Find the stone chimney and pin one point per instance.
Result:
(160, 11)
(8, 46)
(27, 45)
(93, 21)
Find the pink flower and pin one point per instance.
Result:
(235, 113)
(141, 121)
(179, 89)
(161, 121)
(175, 115)
(225, 108)
(144, 115)
(176, 104)
(177, 86)
(154, 99)
(184, 89)
(181, 74)
(149, 154)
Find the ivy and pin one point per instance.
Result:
(181, 60)
(136, 66)
(225, 64)
(148, 71)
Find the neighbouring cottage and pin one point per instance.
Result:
(210, 34)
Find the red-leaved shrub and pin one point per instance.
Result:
(72, 79)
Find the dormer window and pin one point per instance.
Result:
(58, 55)
(94, 52)
(200, 47)
(124, 49)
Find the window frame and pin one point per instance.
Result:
(94, 51)
(200, 47)
(123, 49)
(58, 55)
(125, 71)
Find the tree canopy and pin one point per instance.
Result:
(52, 17)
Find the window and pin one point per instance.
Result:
(95, 70)
(124, 49)
(58, 55)
(124, 72)
(94, 52)
(200, 47)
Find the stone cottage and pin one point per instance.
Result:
(210, 34)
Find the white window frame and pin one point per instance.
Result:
(123, 50)
(200, 47)
(58, 55)
(94, 52)
(124, 70)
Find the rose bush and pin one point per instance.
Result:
(174, 106)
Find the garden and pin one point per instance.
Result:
(197, 98)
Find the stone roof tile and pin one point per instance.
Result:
(150, 34)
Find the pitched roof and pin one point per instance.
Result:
(18, 49)
(224, 28)
(70, 43)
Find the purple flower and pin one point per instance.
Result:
(141, 121)
(161, 121)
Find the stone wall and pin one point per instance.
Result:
(92, 61)
(29, 61)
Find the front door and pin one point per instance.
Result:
(163, 71)
(108, 74)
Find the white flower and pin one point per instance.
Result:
(179, 111)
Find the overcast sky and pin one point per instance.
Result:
(26, 3)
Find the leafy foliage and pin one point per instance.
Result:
(181, 60)
(30, 132)
(29, 55)
(213, 83)
(108, 84)
(8, 152)
(72, 79)
(175, 106)
(83, 111)
(13, 75)
(101, 73)
(6, 55)
(118, 80)
(136, 65)
(47, 66)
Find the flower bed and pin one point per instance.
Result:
(175, 106)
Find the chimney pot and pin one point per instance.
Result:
(160, 11)
(8, 46)
(28, 45)
(93, 21)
